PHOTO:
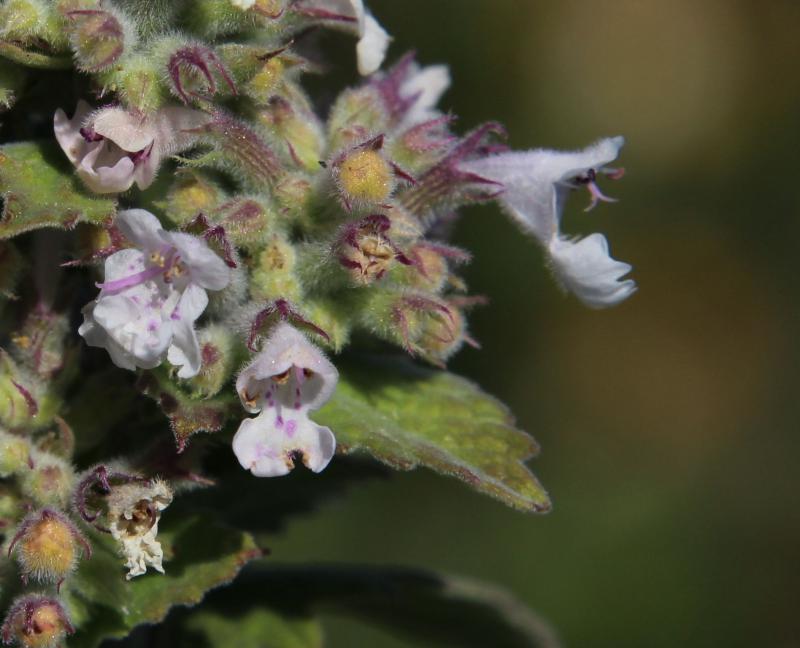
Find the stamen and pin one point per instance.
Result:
(89, 135)
(132, 280)
(589, 180)
(281, 378)
(597, 196)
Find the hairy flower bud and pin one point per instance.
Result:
(217, 353)
(30, 22)
(14, 454)
(274, 275)
(194, 71)
(192, 193)
(19, 402)
(48, 546)
(36, 621)
(49, 481)
(97, 37)
(295, 124)
(367, 251)
(363, 175)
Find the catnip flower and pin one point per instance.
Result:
(134, 511)
(287, 380)
(112, 148)
(410, 92)
(535, 188)
(152, 295)
(373, 39)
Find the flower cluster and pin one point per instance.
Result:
(229, 241)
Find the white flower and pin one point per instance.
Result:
(244, 5)
(424, 86)
(134, 511)
(113, 148)
(152, 296)
(287, 380)
(536, 184)
(373, 39)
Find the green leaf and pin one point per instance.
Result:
(40, 189)
(410, 602)
(256, 629)
(407, 416)
(199, 555)
(34, 59)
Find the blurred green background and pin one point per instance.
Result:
(669, 424)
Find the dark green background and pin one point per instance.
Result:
(668, 424)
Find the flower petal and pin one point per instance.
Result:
(537, 182)
(265, 445)
(586, 269)
(141, 228)
(67, 131)
(287, 348)
(372, 46)
(428, 84)
(130, 132)
(205, 267)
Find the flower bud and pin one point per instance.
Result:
(355, 114)
(247, 221)
(292, 194)
(29, 22)
(192, 193)
(14, 454)
(194, 71)
(367, 251)
(19, 402)
(49, 482)
(96, 36)
(298, 127)
(47, 546)
(422, 324)
(216, 351)
(38, 344)
(274, 276)
(363, 175)
(36, 621)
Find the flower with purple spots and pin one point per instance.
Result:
(152, 295)
(535, 188)
(112, 148)
(287, 380)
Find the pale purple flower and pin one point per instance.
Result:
(535, 188)
(112, 148)
(422, 88)
(152, 295)
(287, 380)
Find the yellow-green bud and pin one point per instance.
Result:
(49, 482)
(47, 546)
(273, 276)
(363, 175)
(14, 454)
(36, 621)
